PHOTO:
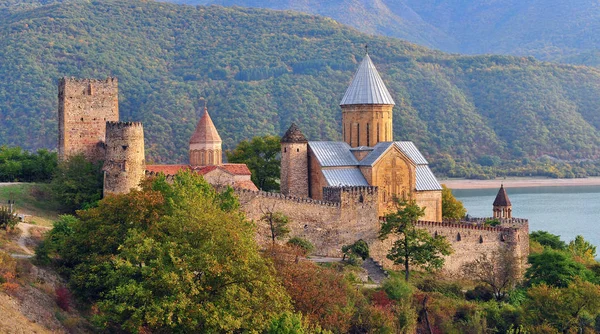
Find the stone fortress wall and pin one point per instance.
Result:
(124, 163)
(84, 107)
(350, 214)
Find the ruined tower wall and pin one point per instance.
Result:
(125, 165)
(294, 169)
(84, 107)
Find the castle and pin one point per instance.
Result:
(334, 193)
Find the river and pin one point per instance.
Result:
(566, 211)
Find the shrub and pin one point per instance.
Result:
(398, 289)
(480, 293)
(303, 244)
(63, 298)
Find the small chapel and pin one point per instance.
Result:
(367, 156)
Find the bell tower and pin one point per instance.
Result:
(367, 108)
(205, 144)
(502, 205)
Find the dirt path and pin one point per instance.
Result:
(22, 241)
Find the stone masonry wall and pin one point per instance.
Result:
(294, 169)
(84, 107)
(125, 165)
(343, 219)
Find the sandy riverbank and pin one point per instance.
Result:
(516, 182)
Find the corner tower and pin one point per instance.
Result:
(84, 107)
(367, 108)
(205, 144)
(502, 205)
(294, 163)
(125, 166)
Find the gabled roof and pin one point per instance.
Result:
(205, 132)
(293, 135)
(333, 153)
(406, 147)
(425, 179)
(502, 197)
(367, 86)
(338, 177)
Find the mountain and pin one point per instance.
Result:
(547, 29)
(261, 70)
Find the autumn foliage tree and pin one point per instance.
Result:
(451, 207)
(174, 257)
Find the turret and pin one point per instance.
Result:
(367, 108)
(125, 166)
(205, 144)
(294, 163)
(502, 205)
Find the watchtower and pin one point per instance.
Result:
(125, 165)
(294, 163)
(502, 205)
(84, 107)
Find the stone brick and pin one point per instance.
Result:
(125, 164)
(84, 107)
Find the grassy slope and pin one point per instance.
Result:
(40, 207)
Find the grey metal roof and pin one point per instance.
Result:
(344, 177)
(426, 180)
(367, 86)
(333, 153)
(412, 152)
(378, 150)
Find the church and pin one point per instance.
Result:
(367, 156)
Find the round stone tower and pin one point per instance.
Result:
(205, 144)
(294, 163)
(124, 165)
(367, 108)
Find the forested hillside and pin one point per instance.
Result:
(261, 70)
(565, 31)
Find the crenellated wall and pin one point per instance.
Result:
(348, 214)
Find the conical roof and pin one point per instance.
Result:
(367, 86)
(502, 198)
(293, 135)
(205, 131)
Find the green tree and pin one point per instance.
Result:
(563, 308)
(277, 224)
(306, 246)
(262, 156)
(172, 258)
(413, 246)
(548, 239)
(582, 249)
(451, 207)
(54, 242)
(554, 268)
(77, 183)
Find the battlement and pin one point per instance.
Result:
(336, 194)
(464, 225)
(121, 125)
(73, 80)
(266, 194)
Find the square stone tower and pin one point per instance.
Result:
(84, 107)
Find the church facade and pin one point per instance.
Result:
(367, 156)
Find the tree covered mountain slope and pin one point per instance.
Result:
(261, 70)
(566, 31)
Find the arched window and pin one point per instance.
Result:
(458, 238)
(480, 239)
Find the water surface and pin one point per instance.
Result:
(565, 211)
